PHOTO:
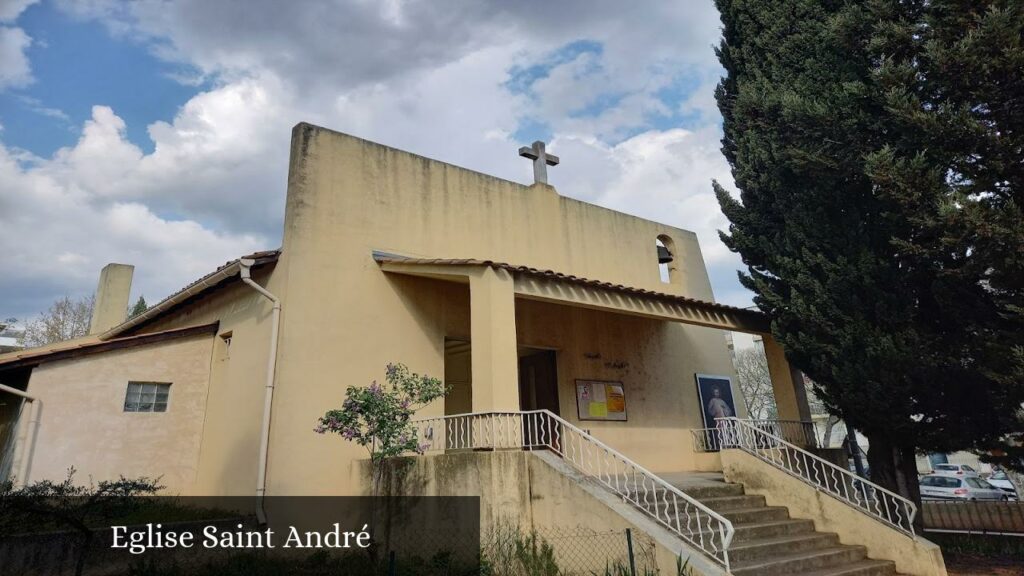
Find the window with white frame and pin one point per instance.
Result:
(147, 397)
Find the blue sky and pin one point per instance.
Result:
(77, 64)
(156, 132)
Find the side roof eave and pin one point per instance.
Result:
(83, 347)
(204, 284)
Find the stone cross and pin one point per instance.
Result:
(541, 161)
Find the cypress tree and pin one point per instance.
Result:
(952, 75)
(890, 292)
(139, 307)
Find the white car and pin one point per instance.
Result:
(954, 470)
(1002, 481)
(971, 488)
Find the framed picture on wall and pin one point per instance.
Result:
(600, 400)
(716, 401)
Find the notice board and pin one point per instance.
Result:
(600, 400)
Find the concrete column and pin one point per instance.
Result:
(493, 341)
(111, 306)
(787, 383)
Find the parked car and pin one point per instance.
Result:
(1000, 480)
(944, 487)
(954, 470)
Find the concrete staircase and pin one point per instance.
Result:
(768, 542)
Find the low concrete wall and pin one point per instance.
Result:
(974, 516)
(918, 557)
(535, 490)
(836, 456)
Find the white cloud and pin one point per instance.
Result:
(15, 70)
(11, 9)
(58, 232)
(429, 79)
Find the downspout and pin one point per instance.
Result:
(268, 395)
(27, 448)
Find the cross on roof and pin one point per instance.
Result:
(541, 161)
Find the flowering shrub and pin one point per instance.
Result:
(378, 417)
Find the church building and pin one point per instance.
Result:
(574, 325)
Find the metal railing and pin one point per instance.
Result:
(866, 496)
(798, 432)
(705, 529)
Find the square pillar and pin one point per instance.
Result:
(494, 355)
(787, 384)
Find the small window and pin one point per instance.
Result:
(147, 397)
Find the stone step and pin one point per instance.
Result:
(863, 568)
(802, 562)
(721, 503)
(771, 529)
(710, 489)
(768, 548)
(695, 491)
(758, 514)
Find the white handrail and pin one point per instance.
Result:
(877, 502)
(683, 515)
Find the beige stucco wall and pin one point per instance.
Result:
(82, 422)
(229, 454)
(917, 557)
(343, 319)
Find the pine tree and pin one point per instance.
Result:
(895, 296)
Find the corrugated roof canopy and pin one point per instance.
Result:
(555, 286)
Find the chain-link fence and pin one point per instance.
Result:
(554, 551)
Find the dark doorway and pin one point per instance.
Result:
(538, 380)
(458, 375)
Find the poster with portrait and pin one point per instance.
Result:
(716, 401)
(600, 400)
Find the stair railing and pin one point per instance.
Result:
(799, 432)
(873, 500)
(684, 516)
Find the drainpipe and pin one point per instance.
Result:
(27, 448)
(268, 395)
